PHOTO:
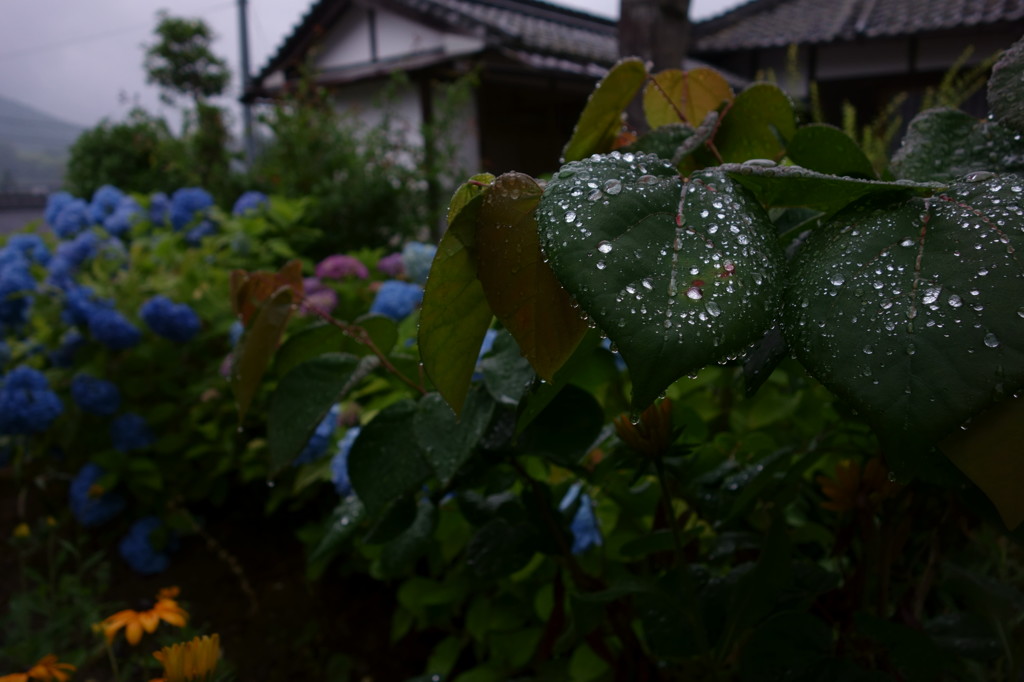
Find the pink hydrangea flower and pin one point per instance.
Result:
(340, 266)
(392, 265)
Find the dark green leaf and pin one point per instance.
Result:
(944, 144)
(257, 347)
(1004, 87)
(795, 186)
(385, 462)
(522, 290)
(447, 441)
(827, 149)
(601, 119)
(912, 311)
(306, 345)
(664, 141)
(675, 283)
(302, 399)
(380, 330)
(915, 655)
(757, 126)
(500, 548)
(566, 428)
(399, 554)
(785, 647)
(506, 373)
(340, 525)
(393, 521)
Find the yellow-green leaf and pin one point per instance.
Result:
(691, 93)
(601, 120)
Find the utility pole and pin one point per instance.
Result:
(243, 43)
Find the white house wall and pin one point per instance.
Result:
(346, 44)
(363, 36)
(364, 100)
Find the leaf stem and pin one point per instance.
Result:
(360, 335)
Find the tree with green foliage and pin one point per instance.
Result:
(139, 154)
(181, 61)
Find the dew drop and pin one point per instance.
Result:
(713, 309)
(931, 294)
(601, 265)
(991, 341)
(837, 279)
(605, 247)
(570, 216)
(955, 301)
(613, 186)
(694, 294)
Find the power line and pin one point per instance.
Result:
(93, 37)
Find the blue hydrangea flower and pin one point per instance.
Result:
(64, 355)
(27, 404)
(105, 201)
(90, 505)
(80, 303)
(188, 203)
(417, 258)
(96, 396)
(71, 255)
(339, 463)
(55, 203)
(204, 229)
(321, 438)
(72, 219)
(159, 209)
(584, 528)
(174, 321)
(112, 329)
(130, 431)
(235, 332)
(31, 246)
(137, 548)
(16, 283)
(397, 299)
(120, 221)
(249, 201)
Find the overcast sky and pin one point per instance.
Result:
(81, 60)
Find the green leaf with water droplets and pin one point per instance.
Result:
(1005, 96)
(913, 311)
(601, 120)
(944, 144)
(301, 400)
(827, 149)
(341, 524)
(447, 441)
(672, 296)
(795, 186)
(758, 125)
(455, 314)
(519, 285)
(385, 462)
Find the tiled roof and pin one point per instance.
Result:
(545, 30)
(777, 23)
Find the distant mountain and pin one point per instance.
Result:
(33, 147)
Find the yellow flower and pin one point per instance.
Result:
(189, 661)
(135, 622)
(21, 531)
(856, 488)
(47, 668)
